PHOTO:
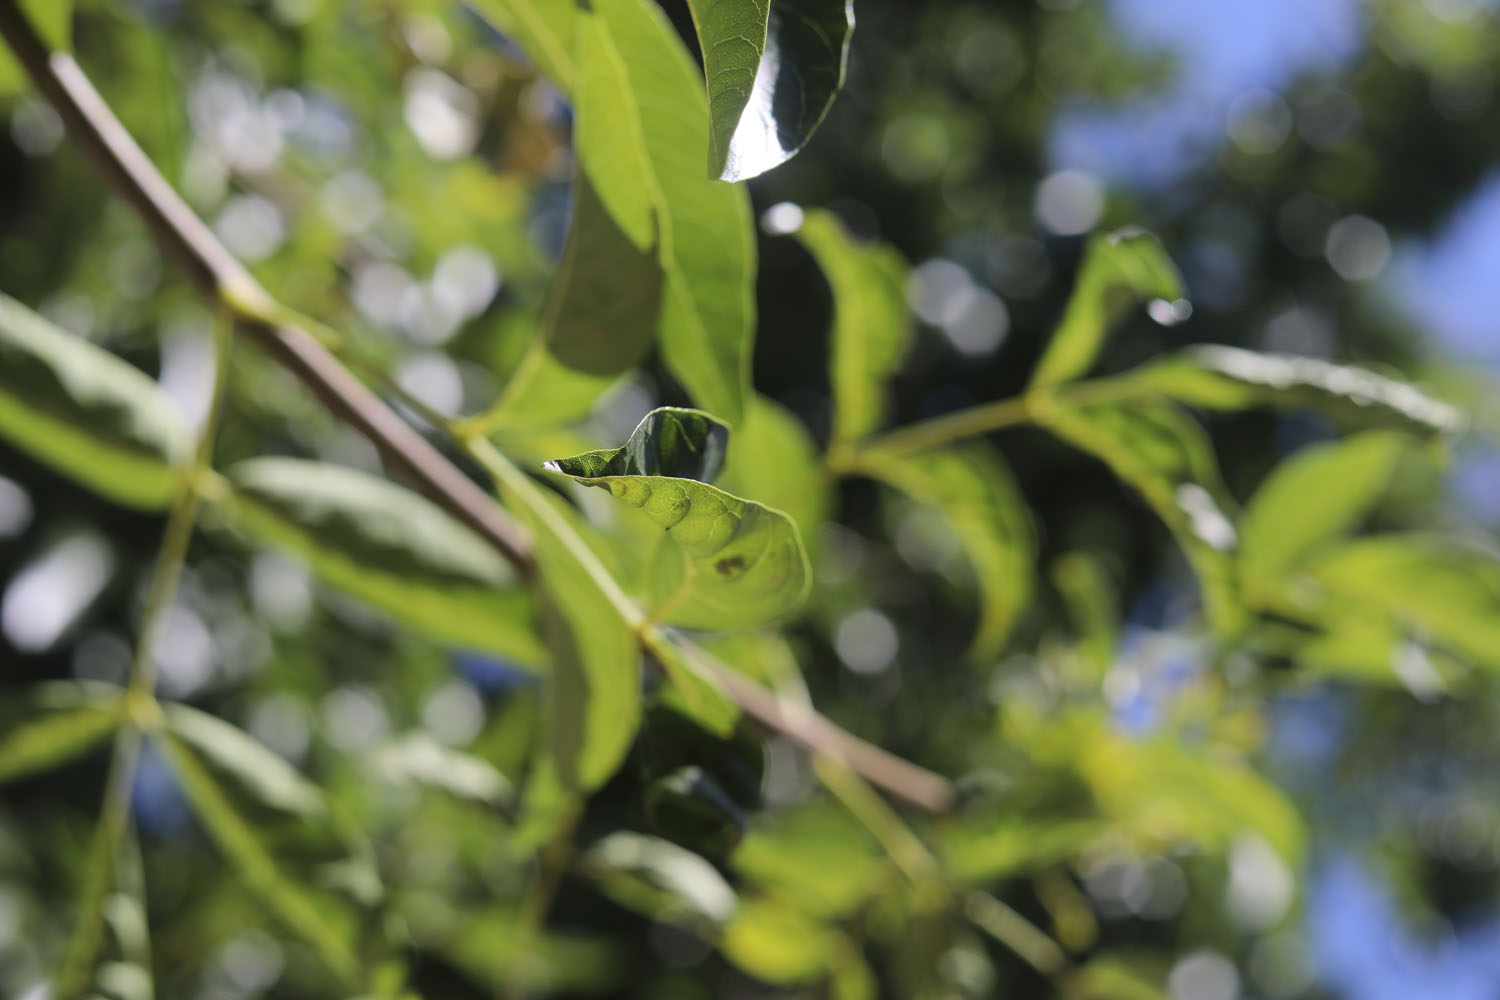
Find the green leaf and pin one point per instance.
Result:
(1166, 457)
(1089, 596)
(1113, 977)
(418, 759)
(1214, 377)
(39, 744)
(302, 913)
(775, 462)
(731, 563)
(53, 21)
(690, 808)
(1312, 499)
(773, 68)
(86, 413)
(972, 487)
(391, 548)
(815, 856)
(638, 149)
(778, 944)
(871, 327)
(704, 230)
(265, 776)
(1118, 270)
(660, 879)
(991, 848)
(1446, 593)
(669, 441)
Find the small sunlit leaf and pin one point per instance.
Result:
(1116, 977)
(661, 880)
(1167, 458)
(775, 462)
(773, 68)
(871, 326)
(86, 413)
(730, 562)
(391, 548)
(777, 943)
(1311, 499)
(1448, 593)
(1214, 377)
(972, 487)
(1119, 269)
(815, 855)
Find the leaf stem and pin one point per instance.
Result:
(141, 709)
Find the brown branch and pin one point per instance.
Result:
(216, 274)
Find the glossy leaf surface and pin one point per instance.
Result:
(391, 548)
(1118, 270)
(1227, 378)
(773, 68)
(85, 412)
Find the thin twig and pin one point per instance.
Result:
(215, 272)
(217, 275)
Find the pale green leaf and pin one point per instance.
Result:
(48, 740)
(1312, 499)
(391, 548)
(778, 944)
(816, 856)
(730, 562)
(1116, 977)
(1214, 377)
(256, 770)
(704, 230)
(1446, 593)
(646, 142)
(291, 903)
(1118, 270)
(989, 848)
(775, 462)
(53, 21)
(86, 413)
(419, 759)
(974, 490)
(773, 68)
(1167, 458)
(660, 879)
(871, 328)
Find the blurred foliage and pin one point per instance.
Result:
(1176, 593)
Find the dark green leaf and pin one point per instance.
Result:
(871, 328)
(773, 68)
(86, 413)
(1167, 458)
(730, 562)
(391, 548)
(669, 441)
(1311, 499)
(974, 490)
(1118, 270)
(1226, 378)
(690, 808)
